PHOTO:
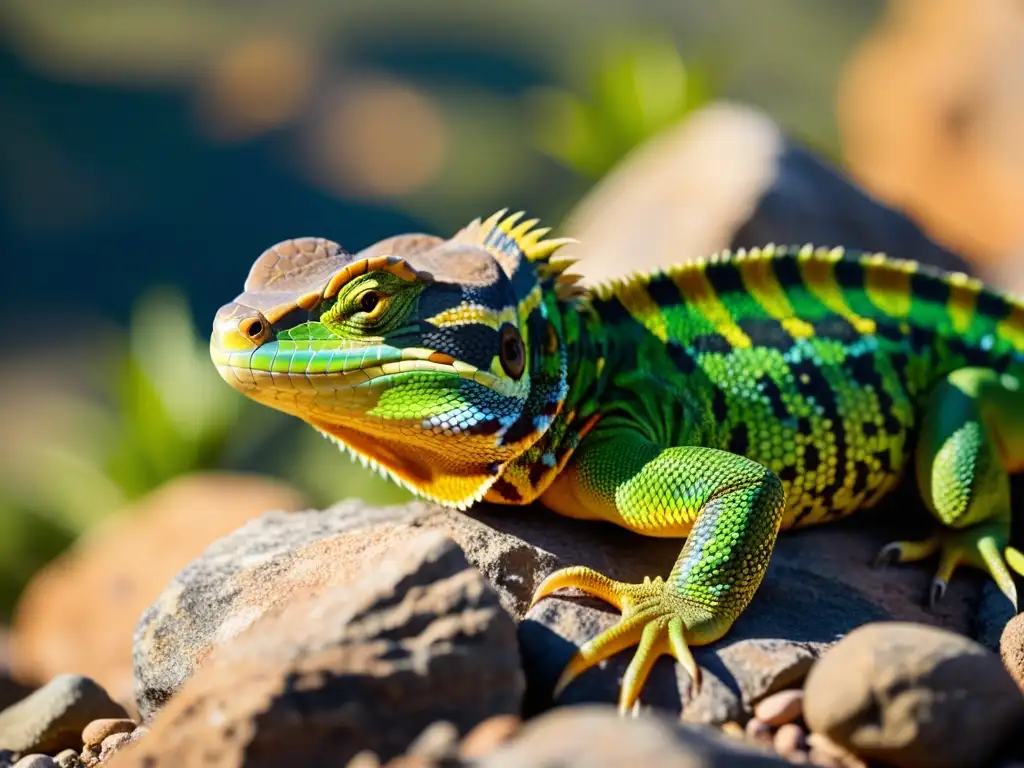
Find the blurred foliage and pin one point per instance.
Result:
(638, 88)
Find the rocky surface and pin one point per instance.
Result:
(820, 585)
(413, 635)
(596, 737)
(910, 695)
(1011, 649)
(79, 612)
(52, 718)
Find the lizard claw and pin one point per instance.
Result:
(978, 546)
(654, 619)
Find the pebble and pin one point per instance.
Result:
(95, 732)
(759, 731)
(36, 761)
(68, 759)
(488, 735)
(780, 708)
(437, 741)
(791, 742)
(112, 743)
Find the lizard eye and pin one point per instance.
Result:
(513, 356)
(368, 301)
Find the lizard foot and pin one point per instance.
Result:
(654, 618)
(980, 546)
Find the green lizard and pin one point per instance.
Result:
(719, 400)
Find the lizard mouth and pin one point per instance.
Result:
(280, 372)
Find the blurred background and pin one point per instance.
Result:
(151, 150)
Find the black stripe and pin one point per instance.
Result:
(719, 405)
(725, 277)
(714, 343)
(612, 311)
(771, 390)
(681, 359)
(766, 332)
(506, 490)
(787, 271)
(739, 440)
(928, 287)
(664, 291)
(521, 428)
(992, 306)
(849, 274)
(836, 328)
(473, 343)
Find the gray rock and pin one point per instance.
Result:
(52, 718)
(911, 695)
(596, 737)
(415, 637)
(36, 761)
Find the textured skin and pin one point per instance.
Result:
(720, 400)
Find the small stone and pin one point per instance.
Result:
(96, 731)
(911, 695)
(791, 742)
(112, 743)
(759, 731)
(780, 708)
(488, 735)
(68, 759)
(53, 718)
(1011, 648)
(36, 761)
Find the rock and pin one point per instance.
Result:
(782, 707)
(929, 109)
(67, 759)
(113, 743)
(1011, 649)
(36, 761)
(791, 742)
(911, 695)
(52, 718)
(728, 177)
(826, 753)
(79, 611)
(96, 731)
(488, 735)
(262, 565)
(758, 731)
(820, 585)
(596, 737)
(363, 664)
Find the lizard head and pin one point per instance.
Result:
(432, 360)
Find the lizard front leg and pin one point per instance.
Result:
(731, 509)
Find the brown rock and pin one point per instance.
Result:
(264, 564)
(911, 695)
(363, 665)
(80, 611)
(930, 109)
(96, 731)
(488, 735)
(53, 717)
(759, 731)
(826, 753)
(1011, 648)
(113, 743)
(597, 737)
(782, 707)
(67, 758)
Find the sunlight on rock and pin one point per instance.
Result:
(931, 109)
(379, 139)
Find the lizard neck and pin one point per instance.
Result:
(578, 339)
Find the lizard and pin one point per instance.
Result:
(720, 400)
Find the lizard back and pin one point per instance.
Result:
(813, 362)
